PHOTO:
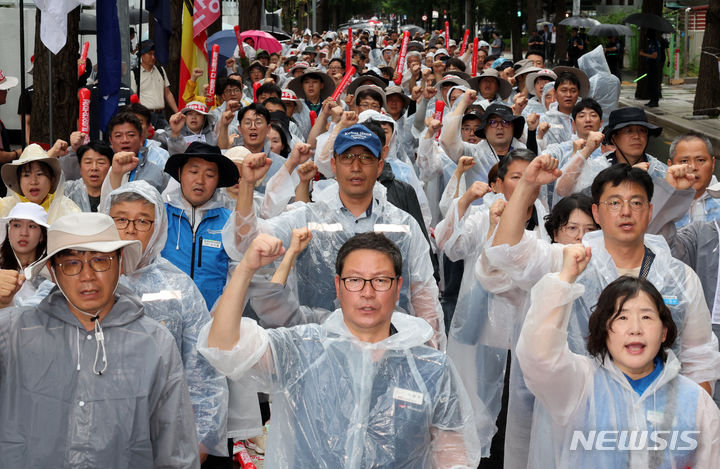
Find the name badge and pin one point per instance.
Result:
(413, 397)
(162, 295)
(671, 300)
(211, 243)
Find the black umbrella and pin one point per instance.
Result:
(650, 21)
(579, 22)
(413, 29)
(277, 33)
(608, 30)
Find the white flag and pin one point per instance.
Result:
(53, 21)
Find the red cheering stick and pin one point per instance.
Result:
(447, 34)
(134, 98)
(241, 50)
(474, 57)
(242, 456)
(401, 60)
(313, 117)
(256, 85)
(344, 83)
(439, 109)
(348, 49)
(83, 59)
(84, 112)
(465, 41)
(212, 76)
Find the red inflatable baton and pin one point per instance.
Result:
(474, 57)
(340, 88)
(401, 60)
(447, 34)
(212, 76)
(465, 41)
(256, 85)
(84, 112)
(348, 48)
(439, 109)
(83, 59)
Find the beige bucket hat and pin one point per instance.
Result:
(33, 152)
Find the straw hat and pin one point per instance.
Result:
(86, 232)
(33, 152)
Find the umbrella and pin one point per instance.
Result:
(261, 40)
(579, 22)
(650, 21)
(608, 30)
(227, 42)
(277, 33)
(413, 29)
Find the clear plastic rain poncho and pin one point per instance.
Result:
(435, 170)
(172, 298)
(331, 225)
(530, 259)
(77, 192)
(696, 346)
(485, 326)
(56, 412)
(560, 130)
(604, 86)
(583, 395)
(339, 402)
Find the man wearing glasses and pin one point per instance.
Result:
(499, 132)
(356, 204)
(362, 389)
(86, 379)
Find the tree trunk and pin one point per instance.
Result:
(249, 14)
(64, 85)
(532, 15)
(707, 92)
(642, 91)
(174, 46)
(560, 37)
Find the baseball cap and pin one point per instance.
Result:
(357, 134)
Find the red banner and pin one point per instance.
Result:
(205, 13)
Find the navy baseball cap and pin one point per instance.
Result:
(357, 134)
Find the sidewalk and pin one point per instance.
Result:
(675, 111)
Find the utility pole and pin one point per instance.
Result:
(314, 22)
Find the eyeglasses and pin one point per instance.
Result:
(355, 284)
(369, 105)
(495, 123)
(349, 158)
(250, 124)
(575, 230)
(232, 90)
(140, 224)
(470, 130)
(614, 204)
(72, 267)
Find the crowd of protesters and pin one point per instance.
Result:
(460, 261)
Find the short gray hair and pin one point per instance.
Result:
(685, 138)
(128, 197)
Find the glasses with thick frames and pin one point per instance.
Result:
(140, 224)
(355, 284)
(349, 158)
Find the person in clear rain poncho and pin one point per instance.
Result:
(356, 204)
(359, 390)
(171, 298)
(625, 405)
(86, 379)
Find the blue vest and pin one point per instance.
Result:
(201, 254)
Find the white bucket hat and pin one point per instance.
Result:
(24, 211)
(33, 152)
(86, 232)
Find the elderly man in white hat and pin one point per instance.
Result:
(86, 379)
(6, 153)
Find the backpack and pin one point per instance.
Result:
(136, 75)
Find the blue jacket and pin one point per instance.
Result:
(199, 253)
